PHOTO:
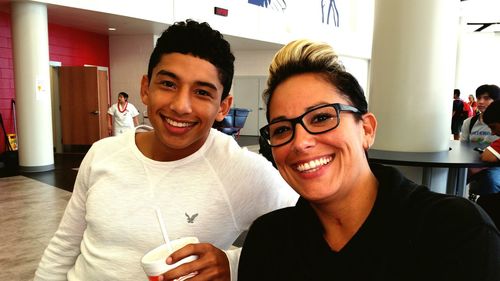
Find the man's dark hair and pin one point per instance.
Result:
(124, 95)
(456, 93)
(200, 40)
(493, 91)
(492, 113)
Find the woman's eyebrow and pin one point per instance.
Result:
(280, 118)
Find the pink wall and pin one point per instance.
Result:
(71, 47)
(6, 77)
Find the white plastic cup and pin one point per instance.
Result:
(155, 264)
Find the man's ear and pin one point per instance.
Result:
(145, 90)
(369, 129)
(224, 108)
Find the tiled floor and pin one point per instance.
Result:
(31, 206)
(30, 213)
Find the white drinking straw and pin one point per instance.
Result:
(163, 229)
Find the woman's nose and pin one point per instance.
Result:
(302, 139)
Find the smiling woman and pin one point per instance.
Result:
(354, 220)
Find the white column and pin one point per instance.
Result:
(412, 74)
(32, 84)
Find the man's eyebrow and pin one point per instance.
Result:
(198, 83)
(166, 73)
(206, 84)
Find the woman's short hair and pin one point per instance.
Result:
(305, 56)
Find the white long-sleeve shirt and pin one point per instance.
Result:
(109, 223)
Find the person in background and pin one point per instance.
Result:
(475, 130)
(457, 117)
(492, 119)
(203, 182)
(473, 104)
(122, 116)
(354, 220)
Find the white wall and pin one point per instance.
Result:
(253, 63)
(129, 57)
(478, 61)
(256, 63)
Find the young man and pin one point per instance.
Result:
(474, 129)
(204, 184)
(492, 119)
(122, 116)
(482, 180)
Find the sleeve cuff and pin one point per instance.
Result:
(493, 151)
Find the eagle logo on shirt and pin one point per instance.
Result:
(190, 219)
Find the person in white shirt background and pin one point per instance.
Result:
(122, 116)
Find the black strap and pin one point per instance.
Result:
(472, 122)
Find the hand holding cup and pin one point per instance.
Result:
(154, 262)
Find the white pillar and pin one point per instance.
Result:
(32, 84)
(412, 74)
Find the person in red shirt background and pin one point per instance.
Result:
(473, 104)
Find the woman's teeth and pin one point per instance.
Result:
(313, 164)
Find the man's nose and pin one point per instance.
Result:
(181, 102)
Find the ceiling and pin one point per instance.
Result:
(100, 22)
(481, 15)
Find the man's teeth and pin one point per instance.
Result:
(178, 124)
(313, 164)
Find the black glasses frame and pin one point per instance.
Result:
(264, 131)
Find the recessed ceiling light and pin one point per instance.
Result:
(111, 28)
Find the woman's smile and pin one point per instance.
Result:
(313, 165)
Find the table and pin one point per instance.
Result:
(459, 157)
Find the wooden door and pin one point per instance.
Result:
(79, 97)
(102, 77)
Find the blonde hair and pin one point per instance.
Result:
(301, 56)
(302, 51)
(306, 56)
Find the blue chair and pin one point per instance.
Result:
(233, 122)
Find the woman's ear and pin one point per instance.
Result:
(369, 128)
(224, 108)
